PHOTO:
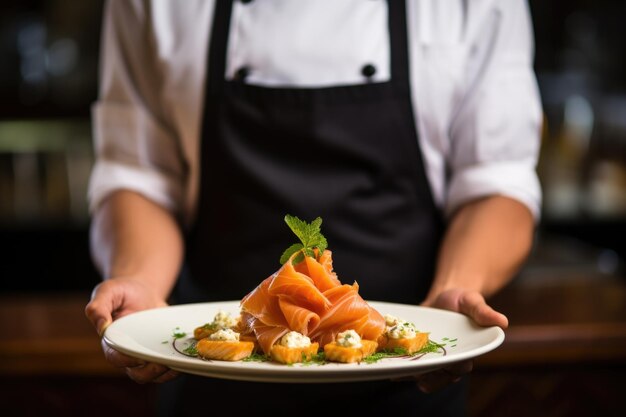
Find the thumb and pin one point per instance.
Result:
(474, 305)
(102, 324)
(99, 310)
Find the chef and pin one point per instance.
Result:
(411, 127)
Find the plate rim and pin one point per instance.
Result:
(309, 374)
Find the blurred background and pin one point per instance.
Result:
(565, 352)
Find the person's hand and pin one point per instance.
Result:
(473, 305)
(116, 298)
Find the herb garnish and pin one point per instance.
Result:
(315, 359)
(256, 357)
(385, 353)
(210, 326)
(177, 334)
(310, 236)
(430, 347)
(191, 350)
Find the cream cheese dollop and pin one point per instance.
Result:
(391, 321)
(224, 320)
(226, 335)
(349, 338)
(402, 330)
(295, 340)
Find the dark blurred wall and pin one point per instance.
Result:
(48, 81)
(581, 68)
(49, 60)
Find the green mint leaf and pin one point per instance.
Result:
(310, 236)
(298, 227)
(299, 258)
(290, 251)
(321, 245)
(316, 224)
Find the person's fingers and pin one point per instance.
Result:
(138, 370)
(460, 368)
(149, 372)
(436, 380)
(118, 359)
(470, 303)
(473, 304)
(168, 376)
(113, 299)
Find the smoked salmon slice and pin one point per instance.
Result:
(310, 299)
(321, 272)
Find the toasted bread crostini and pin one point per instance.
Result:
(222, 320)
(349, 347)
(289, 355)
(224, 345)
(203, 331)
(293, 347)
(337, 353)
(411, 345)
(402, 334)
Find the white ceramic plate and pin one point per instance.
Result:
(149, 335)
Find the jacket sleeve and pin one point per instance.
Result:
(496, 128)
(135, 147)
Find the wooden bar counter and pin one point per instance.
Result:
(565, 347)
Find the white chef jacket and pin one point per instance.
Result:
(473, 89)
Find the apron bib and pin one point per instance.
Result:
(348, 154)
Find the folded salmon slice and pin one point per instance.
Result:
(348, 311)
(321, 272)
(310, 299)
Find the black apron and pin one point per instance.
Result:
(348, 154)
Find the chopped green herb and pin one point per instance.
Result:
(431, 347)
(177, 334)
(191, 350)
(210, 326)
(256, 357)
(310, 236)
(317, 359)
(385, 353)
(164, 342)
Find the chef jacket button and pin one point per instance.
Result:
(246, 1)
(368, 70)
(242, 73)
